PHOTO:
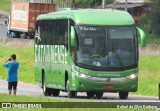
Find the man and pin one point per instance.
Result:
(12, 76)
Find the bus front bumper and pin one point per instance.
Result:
(106, 84)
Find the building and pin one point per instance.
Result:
(136, 8)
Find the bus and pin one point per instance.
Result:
(87, 50)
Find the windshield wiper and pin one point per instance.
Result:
(84, 64)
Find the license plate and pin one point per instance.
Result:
(108, 86)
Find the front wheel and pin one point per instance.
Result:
(123, 95)
(55, 92)
(90, 95)
(46, 91)
(99, 95)
(71, 94)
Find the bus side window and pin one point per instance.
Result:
(53, 32)
(61, 28)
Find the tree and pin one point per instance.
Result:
(155, 17)
(85, 3)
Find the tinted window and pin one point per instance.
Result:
(51, 32)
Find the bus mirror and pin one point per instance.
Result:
(142, 37)
(73, 37)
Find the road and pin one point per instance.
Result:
(3, 26)
(3, 30)
(34, 90)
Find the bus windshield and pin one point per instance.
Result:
(106, 47)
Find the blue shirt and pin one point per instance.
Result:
(12, 67)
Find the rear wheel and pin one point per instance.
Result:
(24, 36)
(123, 95)
(17, 35)
(71, 94)
(90, 95)
(46, 91)
(99, 95)
(55, 92)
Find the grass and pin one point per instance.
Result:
(5, 5)
(6, 98)
(12, 98)
(149, 72)
(150, 38)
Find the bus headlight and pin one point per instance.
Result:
(132, 76)
(82, 75)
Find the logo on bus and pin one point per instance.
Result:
(38, 34)
(108, 79)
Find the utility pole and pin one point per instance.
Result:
(103, 3)
(73, 4)
(115, 4)
(126, 5)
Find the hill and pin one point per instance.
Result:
(5, 5)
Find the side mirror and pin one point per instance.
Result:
(142, 37)
(73, 37)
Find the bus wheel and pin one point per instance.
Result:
(71, 94)
(46, 91)
(123, 95)
(55, 92)
(99, 95)
(90, 95)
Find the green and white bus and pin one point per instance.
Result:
(87, 50)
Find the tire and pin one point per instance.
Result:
(17, 35)
(71, 94)
(99, 95)
(46, 91)
(90, 95)
(55, 92)
(123, 95)
(12, 34)
(24, 36)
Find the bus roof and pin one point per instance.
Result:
(92, 16)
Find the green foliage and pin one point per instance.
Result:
(150, 38)
(150, 22)
(155, 17)
(148, 75)
(5, 5)
(145, 23)
(85, 3)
